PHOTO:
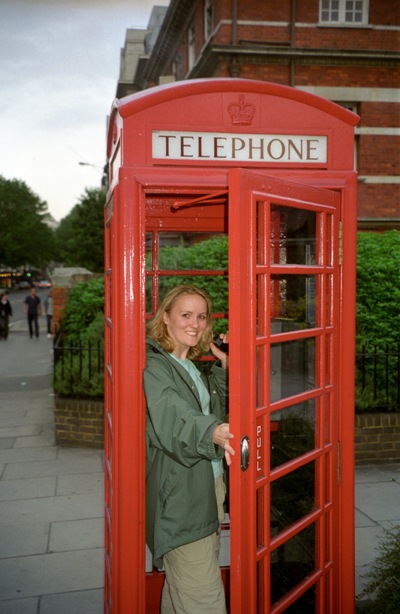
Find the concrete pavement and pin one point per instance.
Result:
(51, 498)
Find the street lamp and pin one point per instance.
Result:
(95, 166)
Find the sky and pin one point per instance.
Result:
(59, 68)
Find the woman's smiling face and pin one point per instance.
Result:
(186, 322)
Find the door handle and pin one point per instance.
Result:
(244, 453)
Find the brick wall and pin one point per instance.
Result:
(59, 295)
(377, 438)
(79, 422)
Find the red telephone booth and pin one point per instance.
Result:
(269, 170)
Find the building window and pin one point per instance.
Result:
(208, 18)
(191, 47)
(344, 12)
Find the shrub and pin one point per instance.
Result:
(384, 577)
(79, 368)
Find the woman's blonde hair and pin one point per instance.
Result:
(157, 329)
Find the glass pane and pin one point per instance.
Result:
(261, 308)
(292, 432)
(327, 419)
(261, 243)
(149, 295)
(305, 603)
(292, 497)
(149, 255)
(292, 367)
(216, 287)
(261, 384)
(328, 241)
(328, 300)
(291, 562)
(293, 301)
(292, 236)
(192, 251)
(262, 534)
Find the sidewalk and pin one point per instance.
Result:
(51, 498)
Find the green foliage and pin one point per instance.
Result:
(378, 288)
(378, 319)
(206, 255)
(80, 234)
(79, 367)
(25, 237)
(383, 585)
(84, 311)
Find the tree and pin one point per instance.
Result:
(25, 237)
(80, 234)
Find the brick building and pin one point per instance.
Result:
(343, 50)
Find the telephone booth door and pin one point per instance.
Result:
(284, 380)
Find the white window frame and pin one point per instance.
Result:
(351, 13)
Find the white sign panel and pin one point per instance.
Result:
(233, 147)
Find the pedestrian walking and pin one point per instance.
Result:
(5, 315)
(48, 306)
(33, 309)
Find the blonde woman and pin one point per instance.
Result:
(187, 440)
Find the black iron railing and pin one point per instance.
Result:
(378, 378)
(78, 371)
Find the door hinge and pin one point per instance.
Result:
(339, 464)
(340, 242)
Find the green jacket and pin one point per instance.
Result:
(180, 494)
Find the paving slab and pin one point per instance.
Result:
(22, 455)
(81, 483)
(77, 535)
(82, 602)
(44, 439)
(52, 509)
(26, 538)
(21, 606)
(58, 572)
(379, 500)
(57, 466)
(12, 490)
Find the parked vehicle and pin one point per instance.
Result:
(45, 283)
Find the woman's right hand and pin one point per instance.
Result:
(221, 437)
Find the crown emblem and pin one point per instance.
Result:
(241, 112)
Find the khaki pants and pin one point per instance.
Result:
(193, 582)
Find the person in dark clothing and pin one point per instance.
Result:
(32, 307)
(5, 315)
